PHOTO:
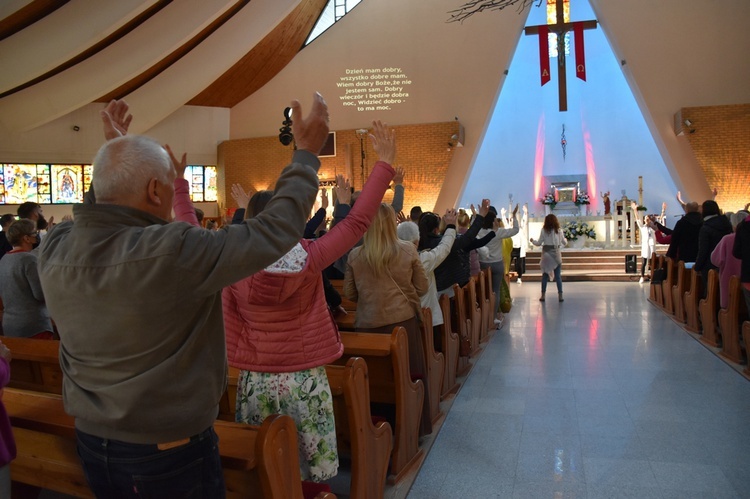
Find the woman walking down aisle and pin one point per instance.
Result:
(551, 238)
(648, 239)
(281, 334)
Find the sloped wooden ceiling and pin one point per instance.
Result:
(254, 66)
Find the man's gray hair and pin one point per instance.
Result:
(408, 231)
(126, 164)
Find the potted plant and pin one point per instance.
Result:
(577, 231)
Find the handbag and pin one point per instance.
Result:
(659, 275)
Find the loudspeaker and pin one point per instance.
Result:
(631, 267)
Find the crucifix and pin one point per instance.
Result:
(560, 28)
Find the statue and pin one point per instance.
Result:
(607, 206)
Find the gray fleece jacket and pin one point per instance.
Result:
(137, 302)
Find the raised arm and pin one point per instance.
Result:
(431, 258)
(184, 211)
(342, 237)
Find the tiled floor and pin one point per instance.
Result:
(602, 396)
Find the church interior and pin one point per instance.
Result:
(601, 396)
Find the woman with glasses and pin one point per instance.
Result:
(25, 313)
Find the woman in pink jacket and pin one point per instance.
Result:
(281, 334)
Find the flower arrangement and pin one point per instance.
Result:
(576, 228)
(583, 198)
(549, 199)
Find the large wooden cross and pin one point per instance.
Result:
(560, 28)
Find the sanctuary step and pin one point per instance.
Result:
(586, 265)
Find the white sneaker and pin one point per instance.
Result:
(641, 281)
(518, 281)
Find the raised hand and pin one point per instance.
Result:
(633, 206)
(310, 132)
(178, 165)
(473, 210)
(240, 196)
(343, 190)
(485, 208)
(715, 193)
(400, 217)
(324, 198)
(116, 119)
(515, 210)
(450, 216)
(384, 142)
(398, 179)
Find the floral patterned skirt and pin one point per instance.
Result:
(305, 396)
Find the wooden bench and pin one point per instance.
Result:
(746, 339)
(35, 364)
(390, 382)
(258, 462)
(449, 342)
(435, 364)
(730, 322)
(692, 299)
(680, 287)
(474, 313)
(666, 286)
(461, 324)
(369, 446)
(708, 309)
(485, 306)
(656, 295)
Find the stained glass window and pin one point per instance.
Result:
(552, 19)
(66, 184)
(43, 184)
(202, 181)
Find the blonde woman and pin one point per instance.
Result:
(386, 278)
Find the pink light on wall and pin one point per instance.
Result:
(539, 158)
(590, 168)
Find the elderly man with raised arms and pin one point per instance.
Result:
(137, 301)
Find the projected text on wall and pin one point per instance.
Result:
(373, 89)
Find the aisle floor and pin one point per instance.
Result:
(601, 396)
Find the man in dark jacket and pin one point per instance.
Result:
(684, 245)
(715, 226)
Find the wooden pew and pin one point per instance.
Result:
(656, 296)
(258, 461)
(387, 358)
(680, 287)
(449, 341)
(692, 299)
(730, 322)
(485, 306)
(35, 364)
(746, 339)
(461, 323)
(491, 298)
(708, 308)
(435, 363)
(473, 311)
(368, 445)
(666, 286)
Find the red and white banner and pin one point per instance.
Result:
(544, 53)
(580, 54)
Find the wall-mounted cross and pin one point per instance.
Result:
(560, 28)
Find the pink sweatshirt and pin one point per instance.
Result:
(728, 266)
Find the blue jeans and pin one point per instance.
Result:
(117, 469)
(558, 280)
